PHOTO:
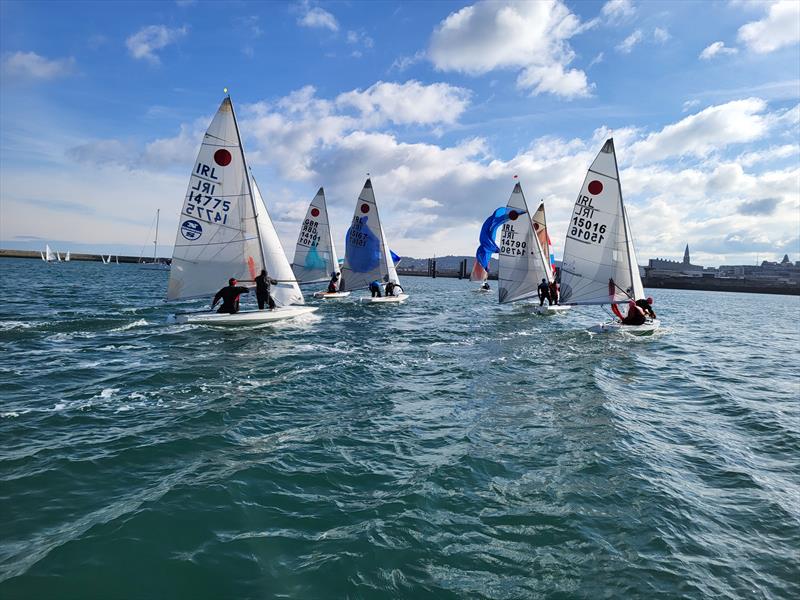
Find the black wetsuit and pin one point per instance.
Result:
(645, 306)
(230, 298)
(332, 284)
(544, 293)
(635, 316)
(262, 291)
(390, 288)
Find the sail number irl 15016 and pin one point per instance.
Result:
(584, 226)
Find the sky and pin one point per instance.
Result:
(103, 106)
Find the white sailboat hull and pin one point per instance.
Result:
(648, 328)
(482, 290)
(331, 295)
(556, 309)
(385, 299)
(247, 317)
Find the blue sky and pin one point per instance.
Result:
(103, 105)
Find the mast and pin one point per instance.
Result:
(249, 186)
(330, 235)
(155, 242)
(625, 224)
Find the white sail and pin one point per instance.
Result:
(58, 256)
(66, 258)
(286, 291)
(540, 229)
(42, 255)
(315, 253)
(367, 256)
(599, 265)
(217, 236)
(522, 263)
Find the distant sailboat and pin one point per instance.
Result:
(599, 265)
(225, 232)
(315, 259)
(367, 256)
(48, 255)
(67, 257)
(156, 264)
(58, 256)
(523, 262)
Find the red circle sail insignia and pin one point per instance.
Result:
(222, 157)
(595, 187)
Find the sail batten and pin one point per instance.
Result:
(599, 265)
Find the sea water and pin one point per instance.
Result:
(448, 447)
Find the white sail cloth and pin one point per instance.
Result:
(224, 229)
(367, 256)
(599, 265)
(315, 253)
(522, 264)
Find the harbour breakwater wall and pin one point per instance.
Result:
(80, 256)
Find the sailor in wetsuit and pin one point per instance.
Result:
(647, 307)
(635, 315)
(553, 292)
(230, 297)
(375, 288)
(544, 292)
(333, 283)
(263, 296)
(390, 286)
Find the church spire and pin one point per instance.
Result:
(686, 255)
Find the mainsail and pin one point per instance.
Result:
(599, 265)
(367, 256)
(315, 254)
(522, 263)
(224, 229)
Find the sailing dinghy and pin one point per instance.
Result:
(367, 256)
(524, 262)
(315, 259)
(225, 231)
(599, 265)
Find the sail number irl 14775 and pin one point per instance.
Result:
(584, 227)
(201, 201)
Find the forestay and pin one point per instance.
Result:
(599, 265)
(522, 263)
(315, 254)
(367, 256)
(540, 229)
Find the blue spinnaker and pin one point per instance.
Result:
(362, 247)
(488, 231)
(395, 259)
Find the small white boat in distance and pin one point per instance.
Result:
(225, 231)
(402, 297)
(649, 328)
(331, 295)
(48, 255)
(156, 264)
(367, 257)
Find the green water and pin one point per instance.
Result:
(444, 448)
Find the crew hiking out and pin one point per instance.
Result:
(230, 297)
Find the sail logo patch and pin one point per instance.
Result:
(191, 230)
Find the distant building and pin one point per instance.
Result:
(659, 267)
(767, 272)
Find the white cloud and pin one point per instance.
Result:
(317, 17)
(409, 102)
(690, 104)
(661, 35)
(626, 45)
(531, 36)
(615, 10)
(404, 62)
(144, 43)
(779, 28)
(596, 60)
(359, 38)
(770, 154)
(712, 129)
(715, 49)
(32, 66)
